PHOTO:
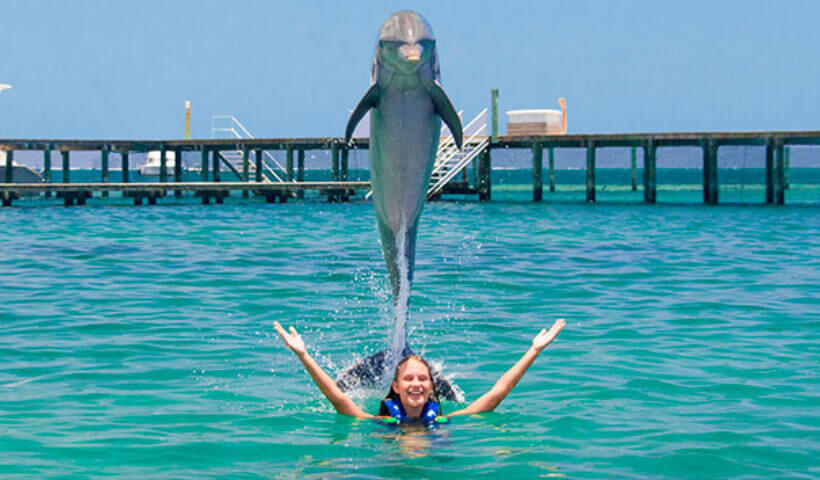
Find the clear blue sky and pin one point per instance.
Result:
(101, 69)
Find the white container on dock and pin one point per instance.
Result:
(537, 122)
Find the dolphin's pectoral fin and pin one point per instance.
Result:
(445, 110)
(368, 101)
(370, 372)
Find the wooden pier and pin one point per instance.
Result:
(213, 165)
(774, 142)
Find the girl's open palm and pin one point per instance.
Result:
(545, 336)
(292, 339)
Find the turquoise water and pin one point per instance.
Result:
(137, 342)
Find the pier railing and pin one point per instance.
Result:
(234, 129)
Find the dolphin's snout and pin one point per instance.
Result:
(411, 53)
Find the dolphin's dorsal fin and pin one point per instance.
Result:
(445, 110)
(368, 101)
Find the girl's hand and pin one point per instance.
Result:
(293, 340)
(545, 337)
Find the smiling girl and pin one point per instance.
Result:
(412, 397)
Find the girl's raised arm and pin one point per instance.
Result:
(343, 405)
(505, 384)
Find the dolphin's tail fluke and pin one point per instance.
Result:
(373, 372)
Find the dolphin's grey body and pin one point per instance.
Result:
(406, 103)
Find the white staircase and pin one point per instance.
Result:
(227, 126)
(450, 160)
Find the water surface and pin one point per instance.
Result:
(137, 342)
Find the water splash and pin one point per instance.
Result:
(402, 302)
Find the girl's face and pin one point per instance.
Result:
(413, 384)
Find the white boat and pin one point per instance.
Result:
(152, 165)
(19, 173)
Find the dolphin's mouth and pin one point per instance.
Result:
(411, 53)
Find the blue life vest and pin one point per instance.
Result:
(429, 412)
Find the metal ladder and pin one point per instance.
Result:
(227, 126)
(450, 160)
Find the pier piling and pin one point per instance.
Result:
(163, 165)
(770, 147)
(780, 176)
(125, 174)
(47, 168)
(246, 170)
(551, 161)
(177, 170)
(713, 170)
(300, 171)
(104, 168)
(707, 175)
(203, 166)
(537, 168)
(9, 169)
(258, 157)
(344, 161)
(216, 168)
(649, 172)
(333, 196)
(204, 154)
(334, 162)
(485, 176)
(9, 176)
(786, 180)
(289, 164)
(66, 167)
(634, 163)
(710, 177)
(6, 195)
(345, 157)
(591, 172)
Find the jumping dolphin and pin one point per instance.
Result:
(406, 104)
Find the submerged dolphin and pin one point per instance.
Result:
(406, 104)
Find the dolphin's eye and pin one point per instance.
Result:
(389, 45)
